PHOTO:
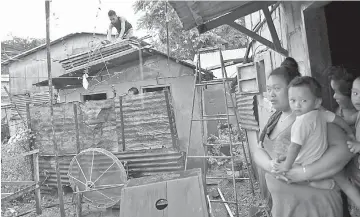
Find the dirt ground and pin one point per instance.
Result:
(246, 200)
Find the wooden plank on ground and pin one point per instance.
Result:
(185, 198)
(140, 200)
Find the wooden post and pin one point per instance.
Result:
(31, 147)
(34, 163)
(37, 181)
(78, 150)
(60, 192)
(122, 122)
(173, 138)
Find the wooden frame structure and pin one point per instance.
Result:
(34, 185)
(229, 19)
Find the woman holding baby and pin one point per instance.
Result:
(304, 197)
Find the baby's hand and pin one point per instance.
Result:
(352, 136)
(280, 168)
(354, 146)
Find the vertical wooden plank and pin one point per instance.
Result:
(167, 100)
(34, 163)
(122, 123)
(31, 143)
(37, 180)
(77, 134)
(48, 60)
(78, 150)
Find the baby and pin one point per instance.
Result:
(309, 131)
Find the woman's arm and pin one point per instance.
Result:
(261, 158)
(333, 161)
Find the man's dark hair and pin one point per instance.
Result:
(111, 13)
(341, 75)
(134, 90)
(307, 81)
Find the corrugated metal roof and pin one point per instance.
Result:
(140, 163)
(43, 46)
(115, 54)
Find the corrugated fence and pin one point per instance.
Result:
(139, 163)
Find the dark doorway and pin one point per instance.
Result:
(98, 96)
(342, 18)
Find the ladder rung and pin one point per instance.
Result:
(212, 177)
(221, 157)
(208, 49)
(211, 83)
(221, 201)
(209, 116)
(234, 143)
(210, 119)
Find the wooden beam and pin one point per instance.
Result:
(37, 180)
(48, 61)
(172, 128)
(17, 183)
(242, 11)
(22, 155)
(258, 38)
(271, 27)
(17, 194)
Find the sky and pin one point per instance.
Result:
(26, 18)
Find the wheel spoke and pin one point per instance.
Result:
(106, 196)
(104, 172)
(76, 179)
(92, 164)
(102, 187)
(81, 169)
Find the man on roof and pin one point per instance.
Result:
(123, 27)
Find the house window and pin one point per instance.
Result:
(98, 96)
(155, 89)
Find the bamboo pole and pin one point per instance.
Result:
(48, 57)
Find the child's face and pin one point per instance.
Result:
(302, 101)
(355, 94)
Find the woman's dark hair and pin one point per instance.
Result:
(289, 70)
(342, 77)
(291, 63)
(134, 90)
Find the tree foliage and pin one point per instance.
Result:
(183, 44)
(17, 45)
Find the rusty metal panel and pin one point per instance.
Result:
(140, 163)
(246, 105)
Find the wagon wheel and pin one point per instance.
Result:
(98, 175)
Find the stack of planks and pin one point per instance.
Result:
(97, 54)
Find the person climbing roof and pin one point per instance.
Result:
(123, 27)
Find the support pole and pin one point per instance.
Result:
(60, 192)
(78, 150)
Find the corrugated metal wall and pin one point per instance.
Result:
(247, 107)
(145, 119)
(140, 163)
